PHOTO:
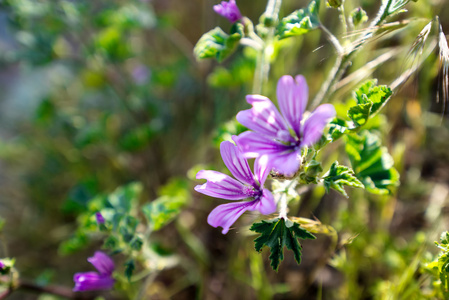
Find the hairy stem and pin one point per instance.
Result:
(263, 63)
(343, 61)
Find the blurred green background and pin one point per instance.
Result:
(98, 94)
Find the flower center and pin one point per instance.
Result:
(251, 192)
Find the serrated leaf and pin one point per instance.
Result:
(360, 114)
(371, 162)
(278, 233)
(339, 176)
(300, 21)
(163, 210)
(370, 99)
(217, 44)
(337, 128)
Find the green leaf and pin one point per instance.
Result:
(163, 210)
(339, 176)
(370, 99)
(278, 233)
(300, 22)
(216, 43)
(130, 266)
(311, 171)
(337, 128)
(360, 114)
(371, 162)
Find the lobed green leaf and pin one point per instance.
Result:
(300, 22)
(278, 233)
(371, 162)
(370, 99)
(217, 44)
(338, 176)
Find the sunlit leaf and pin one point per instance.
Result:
(338, 176)
(300, 22)
(278, 233)
(217, 44)
(371, 162)
(370, 99)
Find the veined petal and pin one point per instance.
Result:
(286, 163)
(92, 281)
(264, 118)
(102, 262)
(262, 168)
(253, 144)
(220, 185)
(314, 125)
(226, 214)
(236, 163)
(292, 97)
(266, 204)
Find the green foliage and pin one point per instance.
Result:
(311, 171)
(371, 162)
(370, 99)
(164, 209)
(278, 233)
(337, 128)
(339, 176)
(119, 210)
(300, 22)
(217, 44)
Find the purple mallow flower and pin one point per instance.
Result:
(229, 10)
(2, 265)
(277, 136)
(245, 186)
(99, 217)
(101, 280)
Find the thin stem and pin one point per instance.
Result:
(251, 43)
(341, 9)
(283, 207)
(333, 40)
(263, 63)
(342, 62)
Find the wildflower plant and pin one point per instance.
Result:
(290, 140)
(294, 134)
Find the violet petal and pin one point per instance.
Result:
(264, 118)
(292, 97)
(220, 185)
(91, 281)
(254, 144)
(226, 214)
(314, 125)
(236, 163)
(102, 262)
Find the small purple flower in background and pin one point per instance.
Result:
(99, 217)
(245, 186)
(140, 74)
(101, 280)
(2, 265)
(281, 137)
(229, 10)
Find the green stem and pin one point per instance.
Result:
(343, 61)
(263, 63)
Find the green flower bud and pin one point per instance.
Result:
(358, 16)
(334, 3)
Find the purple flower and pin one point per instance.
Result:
(99, 217)
(245, 186)
(2, 265)
(228, 10)
(278, 136)
(101, 280)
